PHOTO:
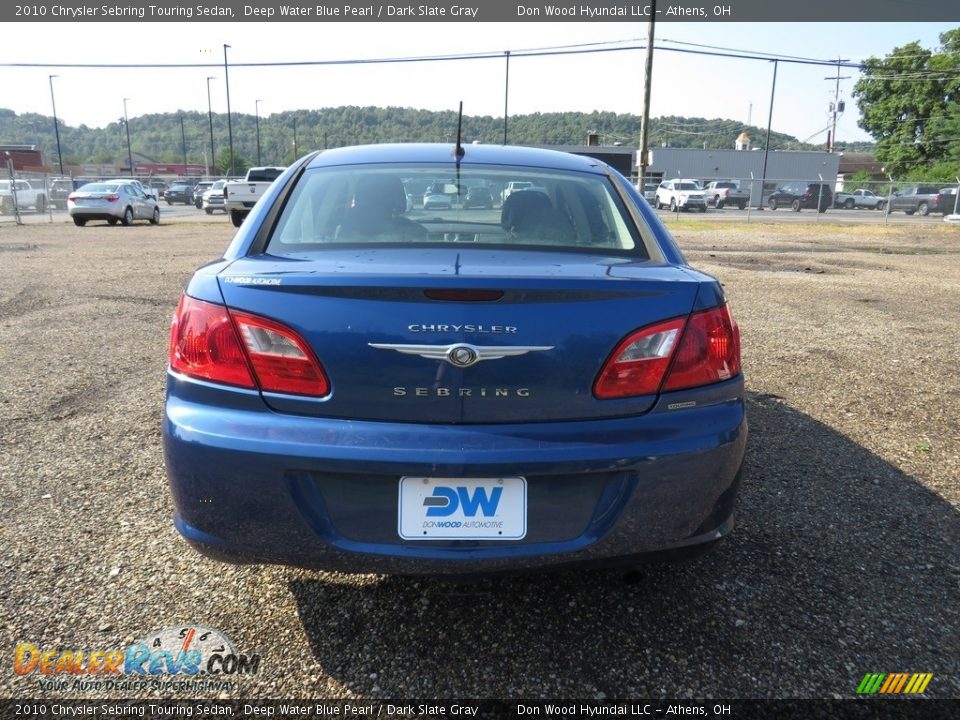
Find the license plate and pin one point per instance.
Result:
(433, 508)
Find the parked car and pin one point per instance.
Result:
(948, 200)
(199, 189)
(680, 195)
(478, 197)
(809, 196)
(370, 390)
(59, 189)
(147, 190)
(28, 195)
(239, 196)
(721, 193)
(921, 200)
(859, 199)
(112, 201)
(179, 192)
(212, 198)
(433, 200)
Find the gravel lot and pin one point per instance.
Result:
(845, 560)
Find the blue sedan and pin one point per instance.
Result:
(362, 386)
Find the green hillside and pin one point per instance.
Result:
(159, 137)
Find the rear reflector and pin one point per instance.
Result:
(673, 355)
(210, 343)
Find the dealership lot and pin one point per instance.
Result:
(844, 561)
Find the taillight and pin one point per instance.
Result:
(204, 344)
(673, 355)
(72, 197)
(111, 198)
(281, 359)
(709, 351)
(637, 365)
(209, 342)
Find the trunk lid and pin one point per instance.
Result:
(361, 310)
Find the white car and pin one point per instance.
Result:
(680, 195)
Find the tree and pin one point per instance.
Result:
(910, 102)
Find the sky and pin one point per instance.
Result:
(683, 84)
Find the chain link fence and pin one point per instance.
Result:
(891, 200)
(33, 197)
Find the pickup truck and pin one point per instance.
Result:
(240, 196)
(859, 199)
(725, 192)
(28, 196)
(921, 200)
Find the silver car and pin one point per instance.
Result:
(114, 201)
(212, 198)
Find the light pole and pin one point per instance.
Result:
(226, 75)
(294, 138)
(213, 158)
(183, 141)
(126, 124)
(56, 125)
(256, 110)
(506, 96)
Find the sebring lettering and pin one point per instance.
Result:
(461, 392)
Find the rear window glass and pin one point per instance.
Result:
(391, 204)
(101, 187)
(267, 175)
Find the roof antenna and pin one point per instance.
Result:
(459, 152)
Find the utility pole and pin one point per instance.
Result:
(126, 123)
(213, 158)
(256, 109)
(647, 79)
(835, 107)
(226, 75)
(56, 125)
(506, 97)
(183, 141)
(766, 145)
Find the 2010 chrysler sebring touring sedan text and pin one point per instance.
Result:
(366, 385)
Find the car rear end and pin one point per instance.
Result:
(471, 394)
(97, 201)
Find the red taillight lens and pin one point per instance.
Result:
(111, 198)
(709, 351)
(208, 342)
(673, 355)
(281, 359)
(72, 197)
(204, 344)
(637, 365)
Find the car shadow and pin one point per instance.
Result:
(841, 565)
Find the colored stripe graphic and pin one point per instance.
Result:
(870, 683)
(894, 683)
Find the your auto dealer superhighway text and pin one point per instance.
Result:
(380, 11)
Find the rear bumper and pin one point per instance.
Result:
(250, 485)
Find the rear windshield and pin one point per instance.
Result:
(385, 204)
(266, 175)
(101, 187)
